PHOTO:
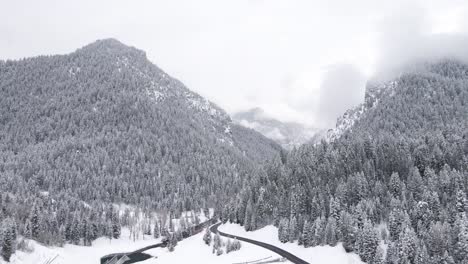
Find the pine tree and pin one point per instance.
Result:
(422, 256)
(395, 223)
(207, 236)
(172, 242)
(248, 216)
(306, 234)
(7, 242)
(319, 230)
(116, 228)
(35, 222)
(283, 230)
(348, 229)
(27, 229)
(378, 257)
(335, 208)
(330, 232)
(367, 242)
(108, 230)
(217, 243)
(461, 203)
(148, 229)
(156, 232)
(236, 245)
(228, 246)
(76, 232)
(395, 185)
(461, 247)
(392, 256)
(447, 259)
(407, 242)
(61, 239)
(292, 229)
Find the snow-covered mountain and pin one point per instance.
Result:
(103, 125)
(413, 101)
(374, 92)
(287, 134)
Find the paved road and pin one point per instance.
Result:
(279, 251)
(138, 255)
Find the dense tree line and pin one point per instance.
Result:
(400, 175)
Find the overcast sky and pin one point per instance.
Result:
(304, 61)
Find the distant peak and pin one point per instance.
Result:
(111, 46)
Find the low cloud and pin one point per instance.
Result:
(411, 36)
(342, 88)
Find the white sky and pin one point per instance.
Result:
(300, 60)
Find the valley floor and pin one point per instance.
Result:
(190, 250)
(72, 254)
(313, 255)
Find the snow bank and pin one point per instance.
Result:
(313, 255)
(194, 250)
(71, 254)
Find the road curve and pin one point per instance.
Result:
(279, 251)
(138, 255)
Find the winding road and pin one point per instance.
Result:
(138, 255)
(277, 250)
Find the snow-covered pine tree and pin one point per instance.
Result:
(35, 222)
(407, 243)
(156, 231)
(392, 254)
(116, 228)
(217, 243)
(283, 230)
(27, 229)
(367, 242)
(236, 245)
(330, 232)
(319, 231)
(461, 203)
(228, 246)
(7, 240)
(378, 257)
(421, 255)
(207, 236)
(461, 247)
(395, 185)
(248, 216)
(306, 234)
(61, 239)
(292, 229)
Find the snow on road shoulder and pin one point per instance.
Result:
(194, 250)
(313, 255)
(72, 254)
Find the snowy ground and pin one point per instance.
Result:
(71, 254)
(190, 250)
(313, 255)
(193, 250)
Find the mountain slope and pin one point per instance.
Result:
(429, 99)
(103, 124)
(394, 178)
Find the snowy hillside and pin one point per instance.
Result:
(374, 93)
